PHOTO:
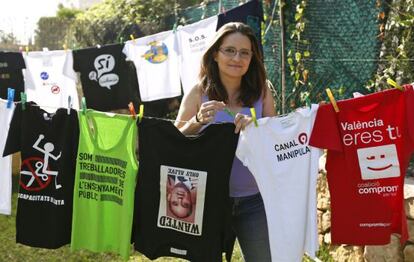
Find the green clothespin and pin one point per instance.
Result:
(175, 27)
(308, 102)
(394, 84)
(83, 105)
(23, 99)
(141, 112)
(121, 40)
(253, 112)
(229, 112)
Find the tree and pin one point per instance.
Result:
(8, 41)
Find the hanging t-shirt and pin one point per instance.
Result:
(5, 162)
(45, 82)
(250, 13)
(106, 169)
(286, 169)
(11, 75)
(193, 40)
(104, 75)
(182, 198)
(48, 145)
(369, 142)
(156, 61)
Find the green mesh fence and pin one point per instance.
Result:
(339, 46)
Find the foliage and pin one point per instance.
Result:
(51, 32)
(116, 20)
(397, 52)
(67, 13)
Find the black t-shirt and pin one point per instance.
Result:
(106, 77)
(48, 144)
(250, 13)
(182, 206)
(11, 75)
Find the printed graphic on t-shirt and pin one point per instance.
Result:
(157, 53)
(35, 171)
(182, 199)
(378, 162)
(104, 64)
(101, 178)
(293, 148)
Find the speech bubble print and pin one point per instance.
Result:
(104, 64)
(378, 162)
(92, 76)
(108, 80)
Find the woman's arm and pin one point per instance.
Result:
(196, 113)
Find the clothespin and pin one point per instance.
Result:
(175, 27)
(27, 50)
(229, 112)
(98, 46)
(10, 97)
(308, 102)
(121, 40)
(253, 112)
(83, 105)
(132, 38)
(332, 99)
(65, 47)
(223, 10)
(69, 104)
(141, 112)
(23, 99)
(132, 110)
(394, 84)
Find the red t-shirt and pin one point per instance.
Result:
(369, 144)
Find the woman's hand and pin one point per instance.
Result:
(241, 121)
(208, 111)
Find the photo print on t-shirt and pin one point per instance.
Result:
(378, 162)
(182, 194)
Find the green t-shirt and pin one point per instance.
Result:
(106, 170)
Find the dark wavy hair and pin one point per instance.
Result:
(253, 83)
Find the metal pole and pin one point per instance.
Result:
(282, 55)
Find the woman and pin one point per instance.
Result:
(232, 76)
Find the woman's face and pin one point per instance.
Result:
(234, 55)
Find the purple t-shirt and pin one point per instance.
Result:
(242, 182)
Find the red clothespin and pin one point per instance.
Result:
(132, 110)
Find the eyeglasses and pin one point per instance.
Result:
(232, 52)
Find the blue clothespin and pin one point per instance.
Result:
(10, 97)
(83, 105)
(23, 99)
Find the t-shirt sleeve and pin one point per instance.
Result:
(325, 133)
(68, 68)
(243, 147)
(13, 136)
(20, 61)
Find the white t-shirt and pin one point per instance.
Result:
(193, 40)
(156, 61)
(45, 82)
(5, 162)
(286, 169)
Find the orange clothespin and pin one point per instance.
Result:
(332, 99)
(394, 84)
(253, 112)
(132, 110)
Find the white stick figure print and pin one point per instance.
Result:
(47, 149)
